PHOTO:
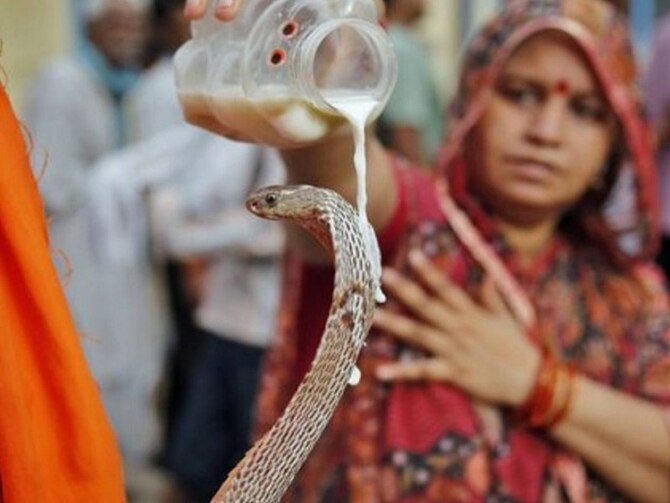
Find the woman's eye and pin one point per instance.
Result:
(520, 95)
(590, 111)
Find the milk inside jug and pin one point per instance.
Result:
(278, 73)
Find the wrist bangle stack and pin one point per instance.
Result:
(551, 398)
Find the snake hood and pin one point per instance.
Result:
(297, 203)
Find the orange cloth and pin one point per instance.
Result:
(56, 444)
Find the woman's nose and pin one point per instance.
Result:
(546, 126)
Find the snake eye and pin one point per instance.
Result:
(271, 199)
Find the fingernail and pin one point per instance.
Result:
(416, 257)
(191, 6)
(384, 373)
(225, 4)
(389, 275)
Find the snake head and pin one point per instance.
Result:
(264, 202)
(291, 202)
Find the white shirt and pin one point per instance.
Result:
(208, 218)
(72, 121)
(153, 105)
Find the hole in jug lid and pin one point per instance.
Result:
(290, 29)
(278, 57)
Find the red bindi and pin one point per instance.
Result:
(562, 87)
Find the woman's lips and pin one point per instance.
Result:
(529, 167)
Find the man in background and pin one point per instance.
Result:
(75, 115)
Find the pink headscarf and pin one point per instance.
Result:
(602, 34)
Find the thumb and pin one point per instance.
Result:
(226, 10)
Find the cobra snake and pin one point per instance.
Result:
(268, 468)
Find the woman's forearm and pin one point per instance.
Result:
(622, 437)
(331, 165)
(639, 481)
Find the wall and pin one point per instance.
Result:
(446, 24)
(32, 32)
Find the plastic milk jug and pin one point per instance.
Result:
(282, 72)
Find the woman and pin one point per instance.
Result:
(525, 356)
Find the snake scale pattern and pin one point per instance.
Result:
(269, 467)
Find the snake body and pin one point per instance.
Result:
(269, 467)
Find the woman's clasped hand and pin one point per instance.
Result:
(471, 341)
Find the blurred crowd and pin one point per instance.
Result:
(173, 285)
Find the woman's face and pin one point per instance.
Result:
(546, 134)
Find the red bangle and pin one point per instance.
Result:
(565, 405)
(551, 398)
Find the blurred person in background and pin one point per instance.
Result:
(153, 108)
(178, 189)
(235, 309)
(117, 210)
(75, 115)
(172, 192)
(152, 103)
(412, 122)
(656, 85)
(169, 29)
